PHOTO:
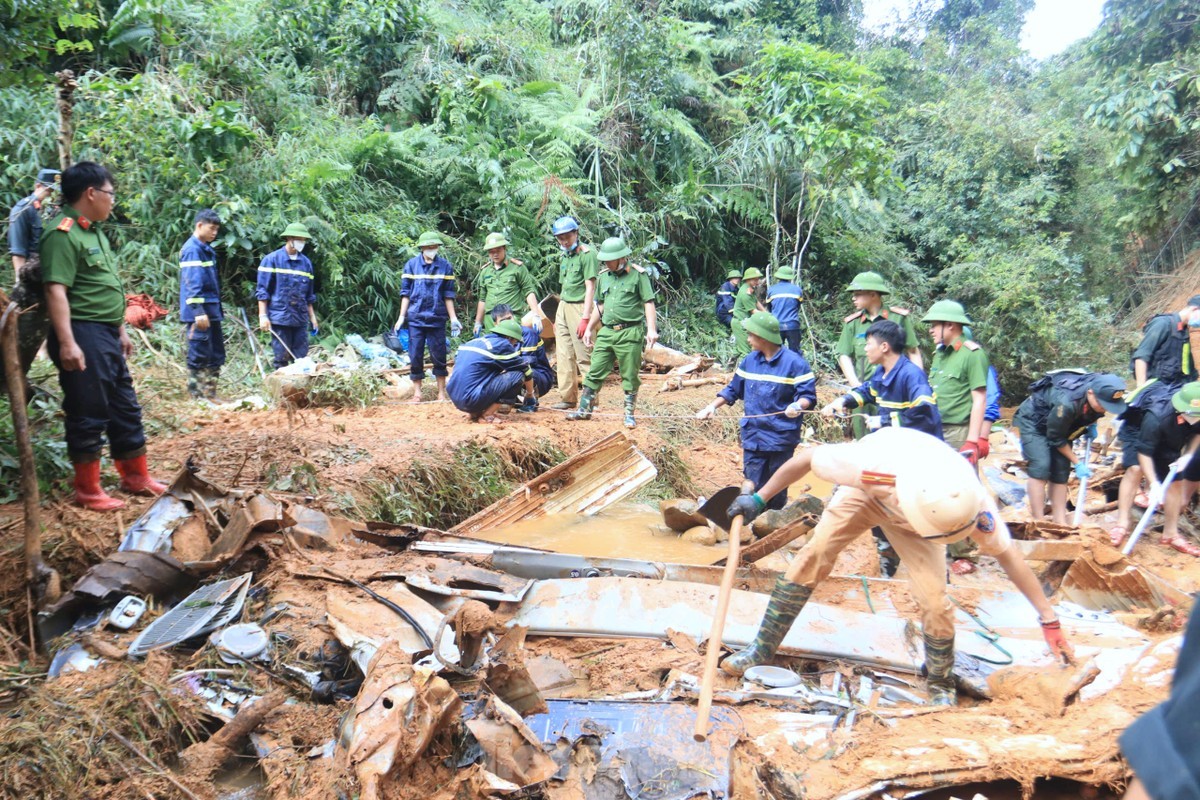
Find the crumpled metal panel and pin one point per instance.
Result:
(456, 579)
(587, 483)
(206, 609)
(151, 532)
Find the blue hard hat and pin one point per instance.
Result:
(564, 225)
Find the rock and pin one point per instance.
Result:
(775, 519)
(679, 515)
(747, 535)
(700, 534)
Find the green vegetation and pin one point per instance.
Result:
(709, 134)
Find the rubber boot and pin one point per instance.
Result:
(195, 386)
(587, 401)
(787, 601)
(135, 477)
(630, 401)
(939, 669)
(87, 488)
(211, 376)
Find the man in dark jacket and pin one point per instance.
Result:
(200, 306)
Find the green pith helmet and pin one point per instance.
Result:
(869, 282)
(785, 274)
(510, 328)
(429, 239)
(764, 324)
(947, 311)
(296, 230)
(494, 240)
(1187, 399)
(613, 248)
(753, 272)
(733, 273)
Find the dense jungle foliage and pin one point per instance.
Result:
(710, 134)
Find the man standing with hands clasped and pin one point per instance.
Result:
(286, 295)
(426, 303)
(577, 276)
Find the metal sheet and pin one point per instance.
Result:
(456, 579)
(151, 532)
(206, 609)
(586, 483)
(1119, 586)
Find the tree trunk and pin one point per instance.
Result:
(66, 112)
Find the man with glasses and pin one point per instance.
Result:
(88, 342)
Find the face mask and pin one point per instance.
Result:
(430, 253)
(298, 245)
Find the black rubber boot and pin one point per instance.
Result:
(630, 402)
(939, 669)
(211, 376)
(587, 401)
(195, 383)
(787, 601)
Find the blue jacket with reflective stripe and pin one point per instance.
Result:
(427, 287)
(784, 300)
(904, 392)
(481, 368)
(726, 296)
(767, 387)
(199, 285)
(534, 350)
(287, 286)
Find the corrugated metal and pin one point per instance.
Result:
(587, 483)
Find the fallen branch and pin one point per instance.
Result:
(203, 759)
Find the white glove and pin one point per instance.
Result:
(536, 324)
(455, 328)
(830, 410)
(794, 410)
(708, 412)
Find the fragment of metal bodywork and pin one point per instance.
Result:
(511, 751)
(257, 513)
(455, 578)
(206, 609)
(396, 714)
(1105, 580)
(151, 532)
(316, 529)
(508, 676)
(645, 749)
(361, 624)
(586, 483)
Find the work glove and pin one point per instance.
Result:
(746, 506)
(984, 447)
(582, 327)
(1057, 641)
(529, 406)
(536, 324)
(970, 451)
(831, 409)
(1082, 470)
(400, 322)
(455, 328)
(201, 322)
(315, 331)
(478, 329)
(794, 410)
(1093, 432)
(708, 412)
(264, 323)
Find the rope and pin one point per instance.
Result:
(693, 416)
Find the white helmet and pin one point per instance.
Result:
(940, 504)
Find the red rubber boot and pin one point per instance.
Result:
(135, 477)
(87, 488)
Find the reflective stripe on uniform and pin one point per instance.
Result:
(490, 354)
(198, 301)
(428, 277)
(196, 263)
(725, 294)
(788, 296)
(925, 398)
(756, 376)
(282, 271)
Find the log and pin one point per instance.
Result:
(202, 760)
(64, 104)
(666, 358)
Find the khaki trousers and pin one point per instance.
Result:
(851, 513)
(571, 355)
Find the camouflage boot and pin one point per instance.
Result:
(939, 668)
(195, 384)
(212, 375)
(587, 401)
(787, 601)
(630, 401)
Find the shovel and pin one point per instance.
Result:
(1083, 482)
(716, 510)
(1156, 498)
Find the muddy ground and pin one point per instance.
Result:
(339, 460)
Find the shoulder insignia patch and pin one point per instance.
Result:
(516, 261)
(583, 248)
(638, 267)
(852, 317)
(901, 311)
(65, 225)
(971, 344)
(985, 522)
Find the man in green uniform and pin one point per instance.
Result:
(577, 278)
(88, 342)
(504, 281)
(958, 375)
(625, 308)
(867, 290)
(744, 306)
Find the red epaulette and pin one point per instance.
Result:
(583, 248)
(638, 267)
(852, 317)
(516, 261)
(971, 344)
(904, 312)
(65, 225)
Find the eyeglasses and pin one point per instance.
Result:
(108, 192)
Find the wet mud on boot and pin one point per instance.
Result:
(787, 601)
(630, 402)
(939, 670)
(587, 401)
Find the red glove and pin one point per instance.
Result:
(985, 447)
(970, 451)
(1057, 641)
(583, 326)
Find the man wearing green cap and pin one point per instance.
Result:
(745, 304)
(784, 299)
(626, 320)
(490, 371)
(726, 296)
(959, 377)
(286, 295)
(25, 219)
(867, 290)
(577, 274)
(504, 281)
(426, 304)
(775, 385)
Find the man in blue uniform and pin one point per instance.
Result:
(774, 384)
(534, 351)
(489, 372)
(784, 299)
(900, 389)
(726, 296)
(200, 306)
(286, 295)
(426, 303)
(25, 219)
